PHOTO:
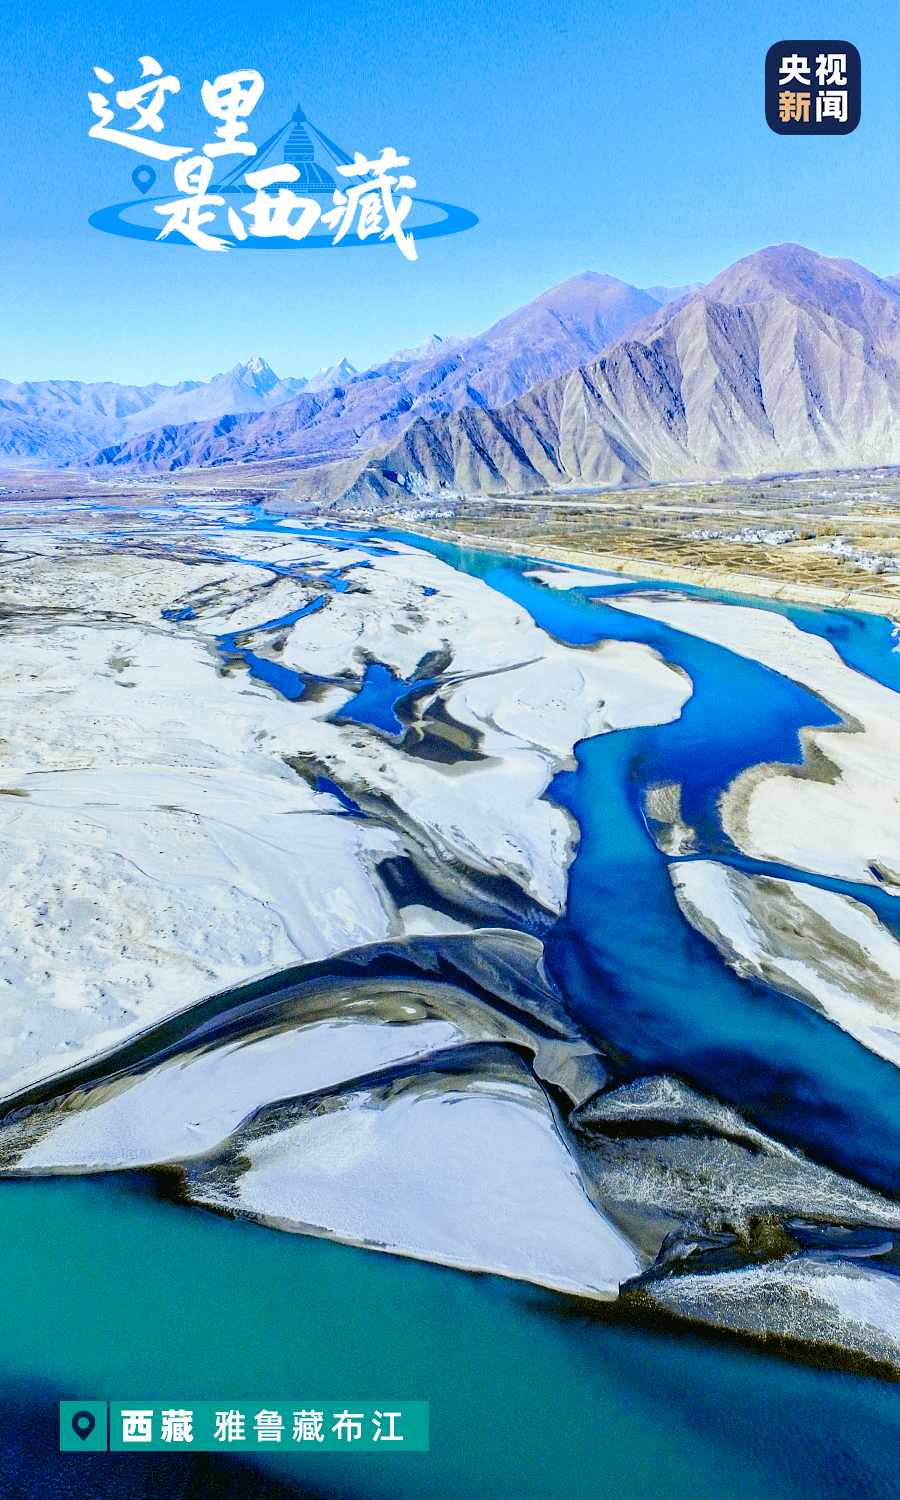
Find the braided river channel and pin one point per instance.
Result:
(113, 1291)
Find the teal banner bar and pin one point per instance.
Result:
(274, 1426)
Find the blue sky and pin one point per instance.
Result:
(622, 137)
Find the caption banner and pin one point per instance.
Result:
(208, 1426)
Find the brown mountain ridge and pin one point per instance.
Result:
(788, 360)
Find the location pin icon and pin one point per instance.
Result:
(143, 178)
(83, 1422)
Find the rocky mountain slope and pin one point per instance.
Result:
(556, 332)
(788, 360)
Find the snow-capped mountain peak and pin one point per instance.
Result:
(332, 375)
(256, 373)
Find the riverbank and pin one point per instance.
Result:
(755, 585)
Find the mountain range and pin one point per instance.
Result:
(340, 410)
(787, 360)
(58, 420)
(562, 328)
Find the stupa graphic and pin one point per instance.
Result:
(296, 142)
(308, 151)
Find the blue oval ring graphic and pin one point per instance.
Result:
(109, 220)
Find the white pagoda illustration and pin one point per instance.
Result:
(297, 141)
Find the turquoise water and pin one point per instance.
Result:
(114, 1292)
(109, 1293)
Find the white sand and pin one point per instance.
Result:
(154, 845)
(573, 578)
(188, 1106)
(476, 1177)
(839, 827)
(820, 947)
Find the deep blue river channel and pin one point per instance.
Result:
(112, 1292)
